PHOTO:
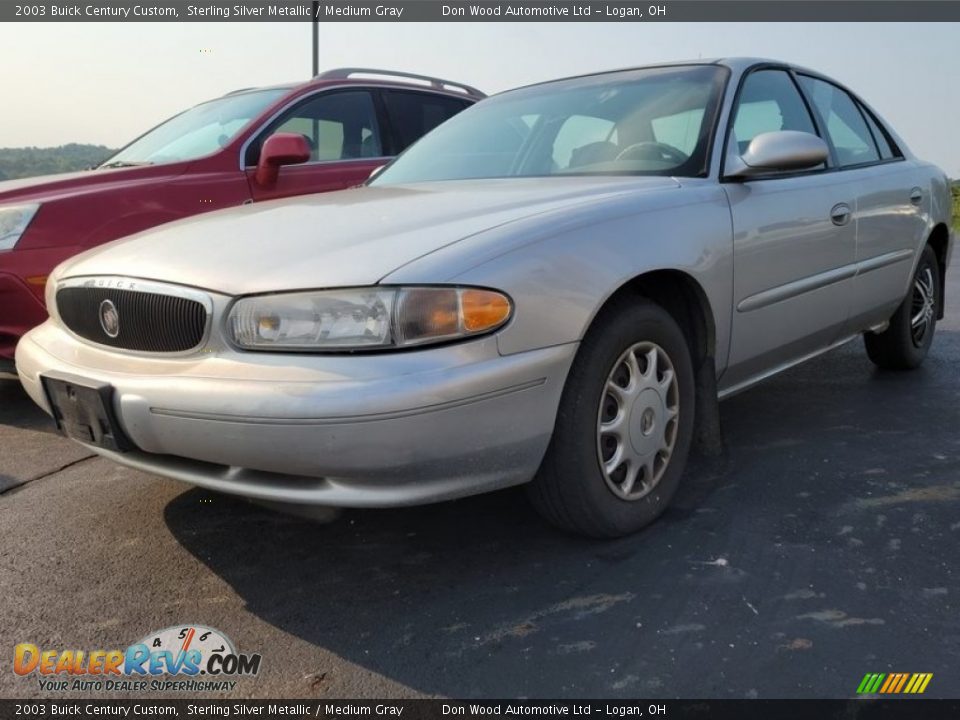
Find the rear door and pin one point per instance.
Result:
(892, 200)
(794, 241)
(411, 114)
(346, 140)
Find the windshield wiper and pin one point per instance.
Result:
(122, 164)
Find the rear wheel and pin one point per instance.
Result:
(905, 343)
(624, 425)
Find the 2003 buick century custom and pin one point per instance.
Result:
(551, 287)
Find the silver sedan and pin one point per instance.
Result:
(555, 287)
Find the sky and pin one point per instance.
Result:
(106, 83)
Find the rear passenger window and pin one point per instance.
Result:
(886, 150)
(413, 114)
(846, 126)
(769, 101)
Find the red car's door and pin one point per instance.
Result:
(346, 141)
(314, 177)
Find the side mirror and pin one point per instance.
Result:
(779, 151)
(280, 149)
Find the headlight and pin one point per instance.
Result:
(365, 318)
(13, 222)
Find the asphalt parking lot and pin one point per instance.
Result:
(820, 548)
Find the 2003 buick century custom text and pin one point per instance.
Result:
(552, 287)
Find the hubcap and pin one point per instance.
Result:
(637, 421)
(923, 305)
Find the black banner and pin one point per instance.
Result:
(482, 11)
(490, 709)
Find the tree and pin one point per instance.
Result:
(32, 161)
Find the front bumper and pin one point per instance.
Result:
(349, 431)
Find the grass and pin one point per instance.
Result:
(955, 187)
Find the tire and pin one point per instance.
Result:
(572, 490)
(901, 346)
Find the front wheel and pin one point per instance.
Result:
(906, 341)
(624, 425)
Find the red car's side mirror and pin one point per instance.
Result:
(280, 149)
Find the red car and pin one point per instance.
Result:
(332, 131)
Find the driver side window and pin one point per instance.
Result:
(338, 125)
(769, 101)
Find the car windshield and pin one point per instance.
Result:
(199, 131)
(653, 121)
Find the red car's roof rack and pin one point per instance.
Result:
(344, 73)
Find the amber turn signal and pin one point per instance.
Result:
(436, 314)
(483, 309)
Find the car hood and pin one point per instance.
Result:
(50, 187)
(341, 239)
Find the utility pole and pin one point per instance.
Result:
(316, 38)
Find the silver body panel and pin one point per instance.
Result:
(784, 283)
(394, 429)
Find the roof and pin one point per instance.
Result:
(393, 77)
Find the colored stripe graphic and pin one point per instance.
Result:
(894, 683)
(919, 684)
(870, 683)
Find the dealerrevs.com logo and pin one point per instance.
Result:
(187, 658)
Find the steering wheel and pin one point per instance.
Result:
(650, 150)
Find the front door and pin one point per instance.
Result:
(794, 239)
(345, 139)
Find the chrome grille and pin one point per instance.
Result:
(146, 321)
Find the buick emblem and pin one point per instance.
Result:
(109, 318)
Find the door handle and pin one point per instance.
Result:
(840, 214)
(916, 196)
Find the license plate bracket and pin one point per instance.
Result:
(83, 411)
